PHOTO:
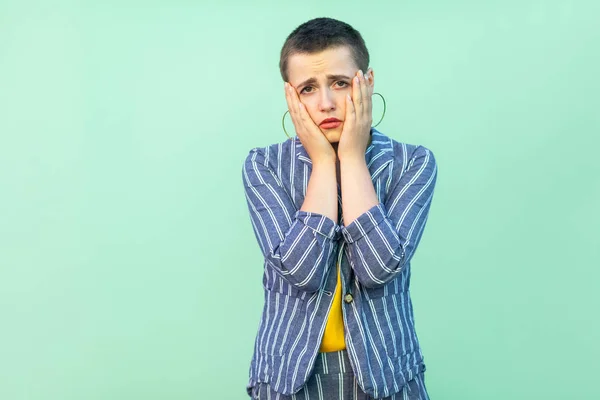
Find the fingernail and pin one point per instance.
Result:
(360, 73)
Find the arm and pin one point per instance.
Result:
(296, 243)
(382, 238)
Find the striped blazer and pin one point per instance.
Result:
(374, 251)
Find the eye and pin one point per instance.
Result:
(344, 84)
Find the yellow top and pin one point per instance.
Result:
(333, 338)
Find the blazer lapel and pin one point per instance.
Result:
(379, 156)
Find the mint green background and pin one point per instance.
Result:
(128, 265)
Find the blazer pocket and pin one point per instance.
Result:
(283, 315)
(390, 288)
(275, 283)
(374, 293)
(383, 324)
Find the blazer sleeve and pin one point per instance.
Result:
(383, 239)
(297, 244)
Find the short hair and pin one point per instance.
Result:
(320, 34)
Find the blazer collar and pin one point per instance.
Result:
(378, 154)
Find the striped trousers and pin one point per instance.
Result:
(333, 379)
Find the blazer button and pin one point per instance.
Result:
(348, 298)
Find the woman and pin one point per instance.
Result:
(338, 212)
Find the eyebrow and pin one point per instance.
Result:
(330, 77)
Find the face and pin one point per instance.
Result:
(322, 81)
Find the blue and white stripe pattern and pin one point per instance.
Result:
(301, 248)
(332, 379)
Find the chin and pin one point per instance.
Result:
(332, 135)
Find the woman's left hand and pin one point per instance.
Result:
(356, 133)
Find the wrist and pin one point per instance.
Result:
(325, 160)
(352, 158)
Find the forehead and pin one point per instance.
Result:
(330, 61)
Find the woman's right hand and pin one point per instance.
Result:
(314, 141)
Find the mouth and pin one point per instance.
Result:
(330, 123)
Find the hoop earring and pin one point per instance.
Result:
(384, 108)
(283, 124)
(381, 119)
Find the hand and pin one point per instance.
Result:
(356, 133)
(314, 141)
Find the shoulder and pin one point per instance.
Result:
(268, 163)
(272, 154)
(405, 153)
(404, 150)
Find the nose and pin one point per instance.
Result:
(326, 102)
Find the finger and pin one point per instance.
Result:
(363, 94)
(291, 93)
(296, 101)
(361, 87)
(356, 90)
(298, 107)
(298, 119)
(290, 104)
(357, 95)
(369, 87)
(293, 108)
(303, 115)
(288, 99)
(368, 97)
(309, 124)
(350, 112)
(303, 119)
